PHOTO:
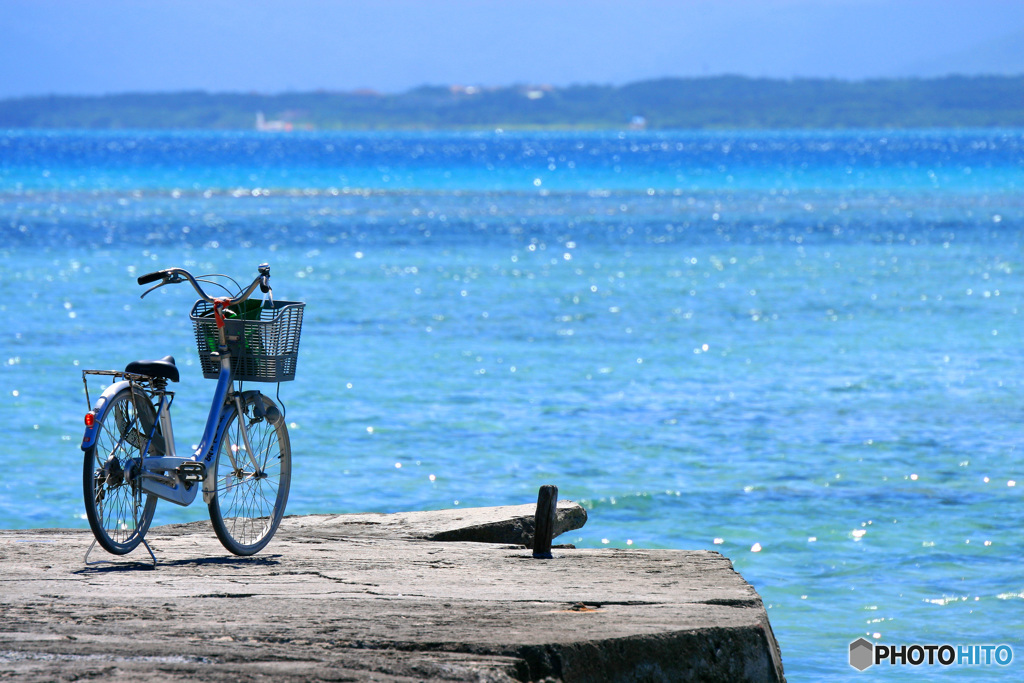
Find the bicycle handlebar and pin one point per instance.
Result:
(172, 276)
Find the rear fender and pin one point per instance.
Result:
(99, 411)
(147, 418)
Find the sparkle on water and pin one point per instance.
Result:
(801, 350)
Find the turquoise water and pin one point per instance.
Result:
(802, 350)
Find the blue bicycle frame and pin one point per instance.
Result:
(172, 487)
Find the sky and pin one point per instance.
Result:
(96, 47)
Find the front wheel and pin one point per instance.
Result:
(118, 510)
(251, 487)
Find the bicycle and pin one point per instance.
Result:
(243, 461)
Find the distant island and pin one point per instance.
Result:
(722, 102)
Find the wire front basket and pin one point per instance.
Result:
(263, 339)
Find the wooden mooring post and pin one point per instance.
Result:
(544, 521)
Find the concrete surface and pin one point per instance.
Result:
(377, 598)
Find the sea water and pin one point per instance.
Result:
(800, 349)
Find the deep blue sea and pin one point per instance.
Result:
(800, 349)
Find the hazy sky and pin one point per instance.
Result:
(271, 46)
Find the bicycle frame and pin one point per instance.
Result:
(176, 490)
(171, 486)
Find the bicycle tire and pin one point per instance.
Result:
(248, 504)
(118, 510)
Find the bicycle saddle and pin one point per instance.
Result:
(164, 367)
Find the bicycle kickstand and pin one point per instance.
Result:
(95, 562)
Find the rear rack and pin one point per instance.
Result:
(130, 376)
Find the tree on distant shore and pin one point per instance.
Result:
(690, 103)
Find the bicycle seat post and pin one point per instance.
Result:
(166, 398)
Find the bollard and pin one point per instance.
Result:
(544, 521)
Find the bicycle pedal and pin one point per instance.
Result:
(191, 472)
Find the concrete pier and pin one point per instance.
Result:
(452, 595)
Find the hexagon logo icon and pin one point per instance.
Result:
(862, 654)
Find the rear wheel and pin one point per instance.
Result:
(119, 511)
(251, 487)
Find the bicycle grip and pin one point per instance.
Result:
(151, 277)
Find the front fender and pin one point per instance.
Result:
(99, 410)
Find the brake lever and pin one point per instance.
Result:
(143, 296)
